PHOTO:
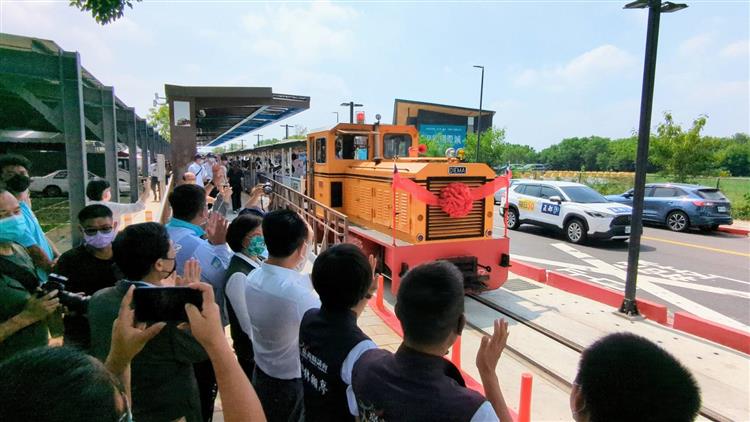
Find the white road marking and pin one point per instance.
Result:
(646, 283)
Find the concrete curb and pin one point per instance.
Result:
(683, 321)
(727, 336)
(733, 230)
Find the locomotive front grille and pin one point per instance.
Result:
(441, 226)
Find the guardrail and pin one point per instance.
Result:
(329, 226)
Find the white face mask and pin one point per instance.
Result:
(307, 256)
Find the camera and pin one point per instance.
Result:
(75, 302)
(267, 189)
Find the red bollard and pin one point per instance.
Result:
(456, 353)
(379, 297)
(524, 404)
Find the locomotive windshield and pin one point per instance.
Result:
(396, 145)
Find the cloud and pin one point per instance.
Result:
(736, 49)
(298, 35)
(590, 67)
(697, 45)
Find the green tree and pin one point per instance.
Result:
(735, 159)
(158, 117)
(219, 150)
(516, 153)
(491, 148)
(682, 154)
(104, 11)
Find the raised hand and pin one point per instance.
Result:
(373, 264)
(191, 273)
(492, 347)
(216, 229)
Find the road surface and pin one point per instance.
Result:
(707, 274)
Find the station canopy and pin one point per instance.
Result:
(225, 113)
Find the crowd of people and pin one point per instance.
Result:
(296, 351)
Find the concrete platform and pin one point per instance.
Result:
(722, 373)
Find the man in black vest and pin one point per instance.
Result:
(417, 383)
(245, 237)
(330, 341)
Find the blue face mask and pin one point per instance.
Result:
(257, 246)
(12, 229)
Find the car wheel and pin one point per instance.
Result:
(677, 221)
(52, 191)
(715, 227)
(575, 231)
(513, 222)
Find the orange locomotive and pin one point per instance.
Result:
(351, 169)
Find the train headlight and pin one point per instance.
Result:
(420, 217)
(489, 233)
(420, 237)
(461, 154)
(450, 153)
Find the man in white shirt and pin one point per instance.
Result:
(196, 167)
(277, 297)
(98, 191)
(153, 173)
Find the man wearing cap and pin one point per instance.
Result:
(196, 167)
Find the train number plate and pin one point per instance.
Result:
(456, 170)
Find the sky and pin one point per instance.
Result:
(553, 69)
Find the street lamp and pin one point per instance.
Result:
(257, 136)
(655, 9)
(337, 116)
(351, 106)
(286, 127)
(479, 119)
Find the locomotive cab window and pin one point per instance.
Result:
(351, 147)
(320, 150)
(396, 145)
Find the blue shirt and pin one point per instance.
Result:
(213, 259)
(35, 236)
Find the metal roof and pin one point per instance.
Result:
(225, 113)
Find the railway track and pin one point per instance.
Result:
(544, 371)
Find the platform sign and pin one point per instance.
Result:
(454, 134)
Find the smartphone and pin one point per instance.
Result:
(155, 304)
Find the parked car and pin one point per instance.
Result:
(681, 206)
(534, 167)
(500, 194)
(578, 211)
(56, 184)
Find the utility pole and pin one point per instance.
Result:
(258, 136)
(286, 127)
(479, 118)
(655, 9)
(351, 105)
(337, 116)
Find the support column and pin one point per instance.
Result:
(74, 135)
(109, 138)
(143, 140)
(132, 154)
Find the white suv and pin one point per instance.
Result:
(580, 212)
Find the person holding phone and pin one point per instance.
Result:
(164, 387)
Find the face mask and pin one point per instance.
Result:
(18, 183)
(257, 246)
(12, 229)
(308, 256)
(100, 240)
(174, 267)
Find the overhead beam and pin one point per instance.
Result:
(54, 116)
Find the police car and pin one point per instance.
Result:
(579, 211)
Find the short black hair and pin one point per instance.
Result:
(342, 276)
(57, 384)
(18, 183)
(94, 211)
(95, 189)
(7, 160)
(625, 377)
(239, 228)
(284, 231)
(187, 201)
(138, 247)
(430, 301)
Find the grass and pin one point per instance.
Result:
(51, 212)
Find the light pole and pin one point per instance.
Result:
(337, 116)
(257, 136)
(286, 127)
(479, 118)
(351, 106)
(655, 9)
